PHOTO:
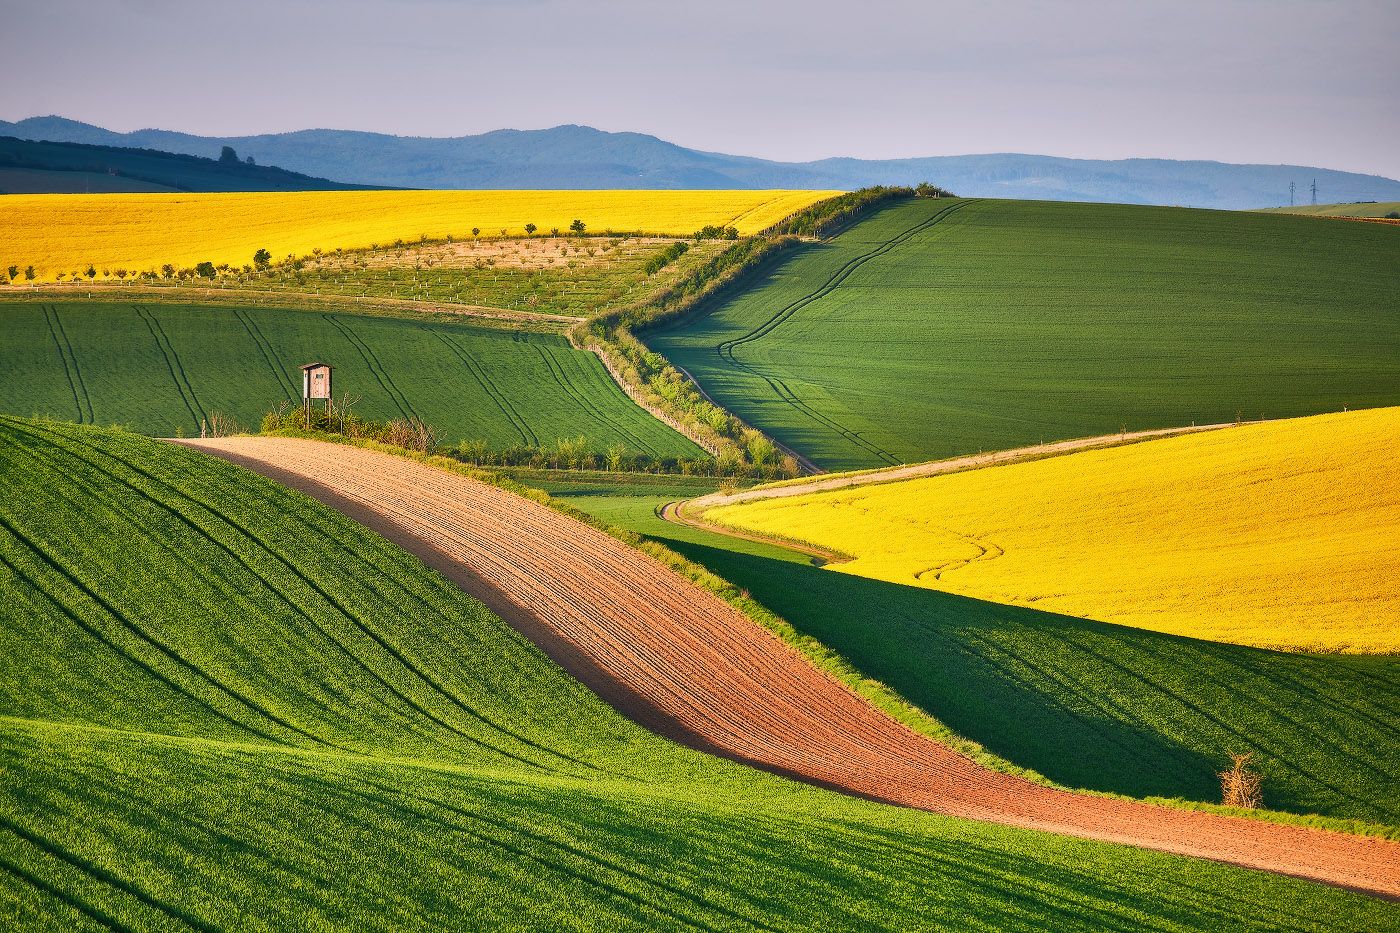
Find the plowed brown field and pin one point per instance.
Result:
(684, 663)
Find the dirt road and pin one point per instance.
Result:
(695, 507)
(684, 663)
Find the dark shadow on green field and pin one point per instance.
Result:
(1100, 706)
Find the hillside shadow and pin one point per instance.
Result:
(1100, 706)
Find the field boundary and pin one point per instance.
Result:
(826, 483)
(481, 315)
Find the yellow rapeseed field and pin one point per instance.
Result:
(1283, 534)
(67, 232)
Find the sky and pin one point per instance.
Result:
(1312, 82)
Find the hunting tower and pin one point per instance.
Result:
(316, 382)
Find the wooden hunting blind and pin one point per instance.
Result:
(316, 381)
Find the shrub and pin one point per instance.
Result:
(1240, 787)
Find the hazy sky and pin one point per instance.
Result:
(1236, 80)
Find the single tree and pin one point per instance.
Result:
(578, 226)
(262, 259)
(250, 161)
(530, 229)
(476, 231)
(90, 272)
(29, 273)
(14, 272)
(167, 271)
(228, 155)
(206, 270)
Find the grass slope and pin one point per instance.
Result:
(1087, 704)
(62, 232)
(936, 327)
(1284, 534)
(225, 706)
(160, 368)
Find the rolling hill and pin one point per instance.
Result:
(28, 167)
(163, 368)
(583, 157)
(933, 328)
(422, 765)
(1086, 704)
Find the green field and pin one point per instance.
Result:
(1087, 704)
(939, 327)
(224, 706)
(1362, 209)
(161, 368)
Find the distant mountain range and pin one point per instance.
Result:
(582, 157)
(74, 168)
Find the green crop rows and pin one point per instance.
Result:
(162, 368)
(940, 327)
(1086, 704)
(223, 706)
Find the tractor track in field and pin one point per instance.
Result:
(784, 392)
(680, 661)
(556, 370)
(74, 375)
(267, 351)
(376, 368)
(522, 427)
(172, 362)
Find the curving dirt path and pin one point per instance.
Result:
(682, 662)
(930, 468)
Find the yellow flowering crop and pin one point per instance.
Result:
(68, 232)
(1282, 534)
